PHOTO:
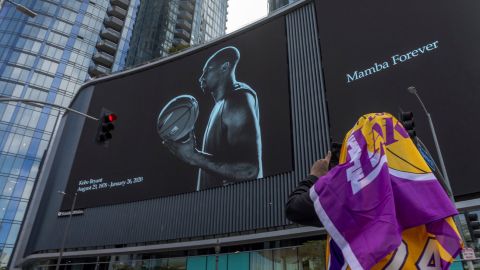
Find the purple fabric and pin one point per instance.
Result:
(365, 205)
(336, 260)
(445, 235)
(420, 202)
(366, 221)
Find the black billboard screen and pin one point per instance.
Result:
(213, 117)
(372, 52)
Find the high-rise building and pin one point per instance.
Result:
(236, 225)
(152, 33)
(209, 21)
(36, 62)
(276, 4)
(164, 27)
(114, 37)
(47, 58)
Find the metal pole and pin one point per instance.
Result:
(23, 9)
(456, 219)
(217, 251)
(65, 233)
(23, 100)
(412, 90)
(439, 175)
(439, 152)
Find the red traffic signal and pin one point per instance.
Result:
(105, 127)
(111, 117)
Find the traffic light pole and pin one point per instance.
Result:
(27, 101)
(23, 9)
(65, 233)
(439, 152)
(412, 90)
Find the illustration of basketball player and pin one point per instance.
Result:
(232, 143)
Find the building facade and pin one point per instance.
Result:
(47, 58)
(237, 226)
(165, 27)
(210, 20)
(276, 4)
(114, 37)
(298, 254)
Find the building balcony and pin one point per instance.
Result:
(110, 34)
(179, 41)
(183, 24)
(185, 15)
(187, 5)
(114, 22)
(98, 70)
(104, 59)
(182, 34)
(121, 3)
(106, 46)
(117, 12)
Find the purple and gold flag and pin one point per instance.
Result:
(380, 197)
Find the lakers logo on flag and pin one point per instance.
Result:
(382, 206)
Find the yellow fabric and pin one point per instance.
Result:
(410, 154)
(417, 242)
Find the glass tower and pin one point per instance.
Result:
(276, 4)
(45, 58)
(167, 26)
(209, 21)
(152, 33)
(48, 57)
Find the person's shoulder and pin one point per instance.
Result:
(242, 87)
(242, 98)
(242, 91)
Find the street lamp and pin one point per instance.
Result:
(65, 233)
(23, 9)
(412, 90)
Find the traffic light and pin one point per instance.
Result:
(106, 125)
(473, 225)
(407, 121)
(335, 147)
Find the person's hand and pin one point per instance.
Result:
(320, 167)
(184, 151)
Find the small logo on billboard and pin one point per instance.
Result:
(67, 213)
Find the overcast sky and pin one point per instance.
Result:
(243, 12)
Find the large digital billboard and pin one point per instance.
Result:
(373, 51)
(212, 117)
